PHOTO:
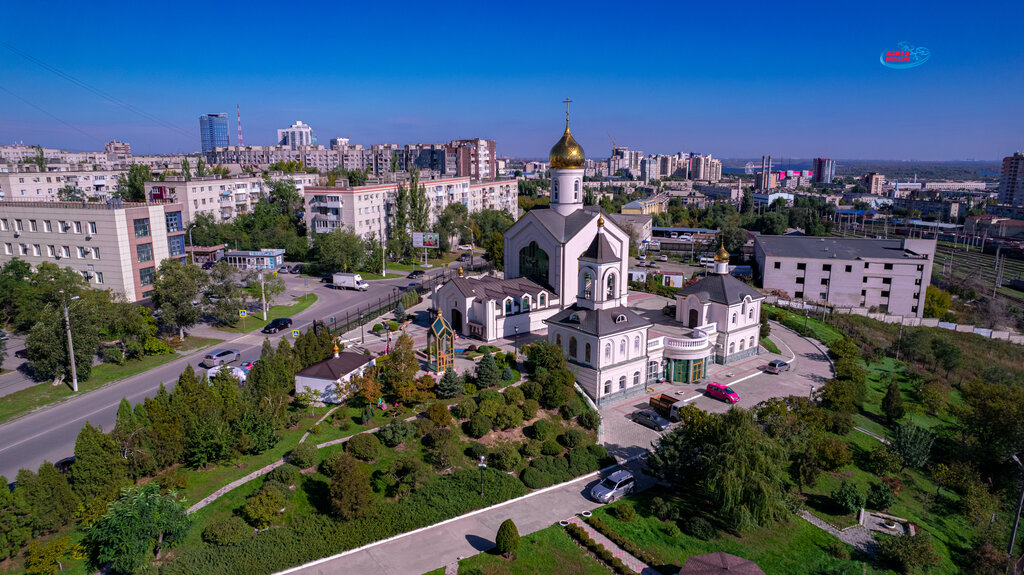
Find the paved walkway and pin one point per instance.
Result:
(856, 536)
(866, 432)
(633, 563)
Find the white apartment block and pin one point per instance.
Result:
(889, 275)
(116, 246)
(223, 198)
(24, 182)
(298, 134)
(369, 210)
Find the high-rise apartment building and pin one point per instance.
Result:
(213, 131)
(824, 170)
(298, 134)
(116, 246)
(705, 168)
(873, 181)
(118, 148)
(1011, 182)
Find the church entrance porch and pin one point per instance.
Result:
(685, 370)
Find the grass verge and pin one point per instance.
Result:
(42, 394)
(255, 322)
(770, 346)
(549, 550)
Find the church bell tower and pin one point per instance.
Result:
(566, 159)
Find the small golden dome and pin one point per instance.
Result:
(566, 153)
(721, 255)
(600, 221)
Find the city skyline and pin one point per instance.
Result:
(796, 82)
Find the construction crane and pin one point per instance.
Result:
(613, 142)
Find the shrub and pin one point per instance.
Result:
(507, 540)
(556, 467)
(508, 417)
(600, 455)
(507, 374)
(624, 511)
(838, 550)
(364, 446)
(424, 426)
(439, 414)
(377, 328)
(543, 429)
(908, 554)
(478, 426)
(263, 507)
(491, 395)
(530, 408)
(112, 354)
(366, 415)
(581, 461)
(514, 395)
(304, 455)
(551, 447)
(530, 448)
(450, 385)
(487, 372)
(699, 527)
(477, 450)
(840, 423)
(287, 474)
(506, 457)
(392, 325)
(397, 432)
(590, 419)
(470, 389)
(532, 390)
(663, 509)
(832, 453)
(882, 460)
(535, 478)
(230, 531)
(880, 497)
(671, 529)
(847, 498)
(573, 407)
(465, 408)
(573, 438)
(489, 408)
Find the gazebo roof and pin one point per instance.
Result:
(441, 328)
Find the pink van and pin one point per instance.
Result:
(723, 392)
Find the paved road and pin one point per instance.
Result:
(49, 434)
(437, 545)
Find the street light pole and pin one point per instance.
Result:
(482, 466)
(362, 340)
(1016, 519)
(71, 345)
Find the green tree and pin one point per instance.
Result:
(909, 554)
(892, 403)
(805, 468)
(186, 169)
(176, 287)
(848, 498)
(131, 187)
(263, 507)
(69, 193)
(223, 297)
(200, 168)
(140, 523)
(266, 286)
(351, 494)
(936, 301)
(285, 195)
(47, 346)
(46, 558)
(98, 470)
(401, 367)
(45, 499)
(487, 372)
(507, 540)
(339, 250)
(913, 443)
(495, 246)
(453, 224)
(419, 208)
(450, 385)
(14, 525)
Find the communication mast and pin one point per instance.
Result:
(238, 110)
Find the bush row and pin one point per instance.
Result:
(580, 534)
(627, 545)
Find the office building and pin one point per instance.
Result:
(873, 181)
(888, 276)
(298, 134)
(824, 170)
(1011, 181)
(213, 131)
(114, 245)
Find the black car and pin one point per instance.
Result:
(278, 324)
(649, 418)
(297, 269)
(416, 274)
(207, 265)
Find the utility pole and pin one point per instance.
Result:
(263, 296)
(998, 272)
(71, 345)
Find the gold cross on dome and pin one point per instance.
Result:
(567, 101)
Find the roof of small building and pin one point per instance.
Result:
(337, 367)
(721, 288)
(833, 248)
(598, 321)
(497, 289)
(600, 250)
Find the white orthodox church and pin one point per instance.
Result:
(566, 271)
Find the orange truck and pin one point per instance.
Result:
(667, 406)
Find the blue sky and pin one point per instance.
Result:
(733, 79)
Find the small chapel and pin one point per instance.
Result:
(566, 271)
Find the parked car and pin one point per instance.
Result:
(278, 324)
(326, 278)
(3, 335)
(284, 270)
(248, 364)
(207, 265)
(465, 247)
(648, 418)
(220, 357)
(663, 258)
(777, 366)
(615, 486)
(236, 372)
(723, 392)
(641, 257)
(416, 274)
(297, 268)
(465, 257)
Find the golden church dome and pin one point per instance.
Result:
(721, 255)
(566, 153)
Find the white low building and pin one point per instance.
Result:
(331, 377)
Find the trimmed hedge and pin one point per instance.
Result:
(627, 545)
(580, 534)
(364, 446)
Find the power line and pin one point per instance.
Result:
(72, 126)
(96, 91)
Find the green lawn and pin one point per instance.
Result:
(433, 259)
(255, 320)
(549, 550)
(819, 330)
(786, 548)
(42, 394)
(770, 345)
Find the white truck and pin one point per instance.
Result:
(349, 281)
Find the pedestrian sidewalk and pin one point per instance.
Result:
(627, 559)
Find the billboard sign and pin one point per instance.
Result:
(425, 240)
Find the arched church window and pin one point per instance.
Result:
(622, 348)
(587, 356)
(621, 318)
(750, 315)
(636, 378)
(572, 346)
(588, 285)
(741, 344)
(533, 263)
(611, 286)
(751, 341)
(734, 317)
(636, 344)
(608, 386)
(732, 347)
(607, 352)
(576, 185)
